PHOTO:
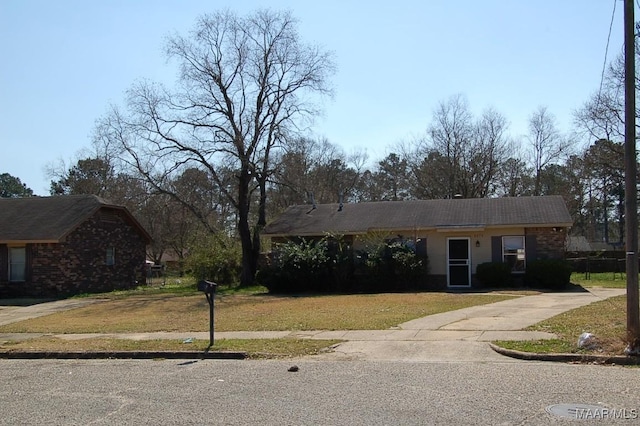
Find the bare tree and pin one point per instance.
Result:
(460, 155)
(243, 87)
(546, 144)
(318, 167)
(602, 115)
(450, 132)
(514, 179)
(486, 154)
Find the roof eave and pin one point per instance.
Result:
(460, 228)
(310, 234)
(437, 228)
(28, 241)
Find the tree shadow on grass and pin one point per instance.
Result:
(21, 302)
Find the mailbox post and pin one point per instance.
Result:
(209, 289)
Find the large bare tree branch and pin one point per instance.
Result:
(241, 90)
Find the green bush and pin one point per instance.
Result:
(328, 265)
(408, 269)
(269, 276)
(552, 274)
(340, 265)
(297, 268)
(215, 257)
(391, 266)
(494, 274)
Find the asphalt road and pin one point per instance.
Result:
(170, 392)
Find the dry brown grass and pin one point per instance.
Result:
(255, 348)
(152, 313)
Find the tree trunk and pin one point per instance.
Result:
(249, 259)
(262, 221)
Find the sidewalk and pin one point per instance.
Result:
(455, 335)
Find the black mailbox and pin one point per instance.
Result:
(208, 287)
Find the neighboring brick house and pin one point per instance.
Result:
(456, 234)
(66, 245)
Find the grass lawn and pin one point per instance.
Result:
(255, 348)
(178, 307)
(606, 319)
(604, 279)
(257, 312)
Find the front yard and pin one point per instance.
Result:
(182, 309)
(179, 309)
(250, 312)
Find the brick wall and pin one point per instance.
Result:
(79, 263)
(550, 242)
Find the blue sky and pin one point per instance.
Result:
(63, 62)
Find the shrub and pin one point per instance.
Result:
(328, 265)
(552, 274)
(296, 267)
(494, 274)
(408, 269)
(270, 276)
(305, 263)
(340, 264)
(215, 257)
(390, 267)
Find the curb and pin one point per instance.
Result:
(579, 358)
(123, 355)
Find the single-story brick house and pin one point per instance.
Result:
(65, 245)
(456, 234)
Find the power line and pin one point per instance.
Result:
(606, 50)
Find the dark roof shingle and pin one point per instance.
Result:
(50, 218)
(421, 214)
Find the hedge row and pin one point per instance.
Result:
(329, 265)
(551, 274)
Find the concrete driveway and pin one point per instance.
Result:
(10, 313)
(462, 335)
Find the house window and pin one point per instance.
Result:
(17, 264)
(111, 256)
(513, 252)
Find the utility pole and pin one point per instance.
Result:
(630, 202)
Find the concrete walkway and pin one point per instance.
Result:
(15, 313)
(459, 335)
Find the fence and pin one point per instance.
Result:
(156, 275)
(597, 264)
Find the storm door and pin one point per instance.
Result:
(458, 262)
